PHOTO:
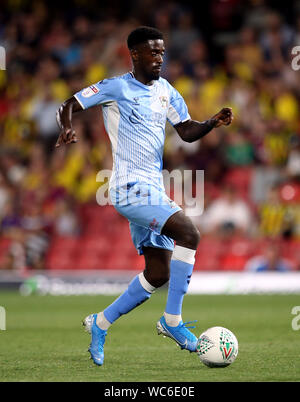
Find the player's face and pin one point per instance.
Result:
(150, 58)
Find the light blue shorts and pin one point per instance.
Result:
(147, 209)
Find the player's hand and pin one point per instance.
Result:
(67, 136)
(224, 117)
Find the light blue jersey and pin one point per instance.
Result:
(135, 116)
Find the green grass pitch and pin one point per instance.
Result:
(44, 340)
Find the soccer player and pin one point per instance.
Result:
(135, 108)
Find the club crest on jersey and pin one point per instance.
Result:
(90, 91)
(163, 101)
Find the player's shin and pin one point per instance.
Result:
(181, 269)
(138, 291)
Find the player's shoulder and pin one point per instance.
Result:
(164, 82)
(115, 81)
(168, 86)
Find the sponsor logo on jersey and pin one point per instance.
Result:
(90, 91)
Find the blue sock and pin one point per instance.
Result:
(133, 296)
(180, 276)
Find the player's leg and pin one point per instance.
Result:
(146, 235)
(182, 230)
(139, 290)
(157, 265)
(156, 274)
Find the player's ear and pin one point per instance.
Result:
(134, 55)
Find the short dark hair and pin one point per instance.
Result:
(141, 35)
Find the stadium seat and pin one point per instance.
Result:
(4, 247)
(137, 262)
(98, 245)
(60, 252)
(88, 261)
(240, 178)
(233, 262)
(207, 262)
(118, 261)
(208, 254)
(64, 244)
(59, 261)
(4, 244)
(240, 246)
(291, 251)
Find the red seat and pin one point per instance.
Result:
(99, 245)
(240, 246)
(4, 243)
(206, 262)
(240, 178)
(4, 247)
(64, 244)
(59, 261)
(88, 261)
(291, 251)
(137, 262)
(233, 262)
(123, 246)
(118, 261)
(208, 254)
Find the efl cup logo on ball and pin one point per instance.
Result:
(217, 347)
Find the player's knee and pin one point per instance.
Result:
(158, 279)
(190, 238)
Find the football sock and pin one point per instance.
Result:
(181, 269)
(172, 320)
(138, 291)
(102, 322)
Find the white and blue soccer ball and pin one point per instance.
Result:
(217, 347)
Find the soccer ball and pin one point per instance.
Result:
(217, 347)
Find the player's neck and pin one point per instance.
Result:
(142, 78)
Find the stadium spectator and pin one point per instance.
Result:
(240, 56)
(65, 220)
(15, 256)
(43, 111)
(269, 260)
(228, 214)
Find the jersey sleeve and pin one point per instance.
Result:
(178, 111)
(97, 94)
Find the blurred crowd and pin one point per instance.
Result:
(240, 58)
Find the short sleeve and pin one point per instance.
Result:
(178, 111)
(97, 94)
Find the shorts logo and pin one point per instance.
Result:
(90, 91)
(154, 224)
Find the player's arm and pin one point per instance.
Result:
(192, 130)
(64, 120)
